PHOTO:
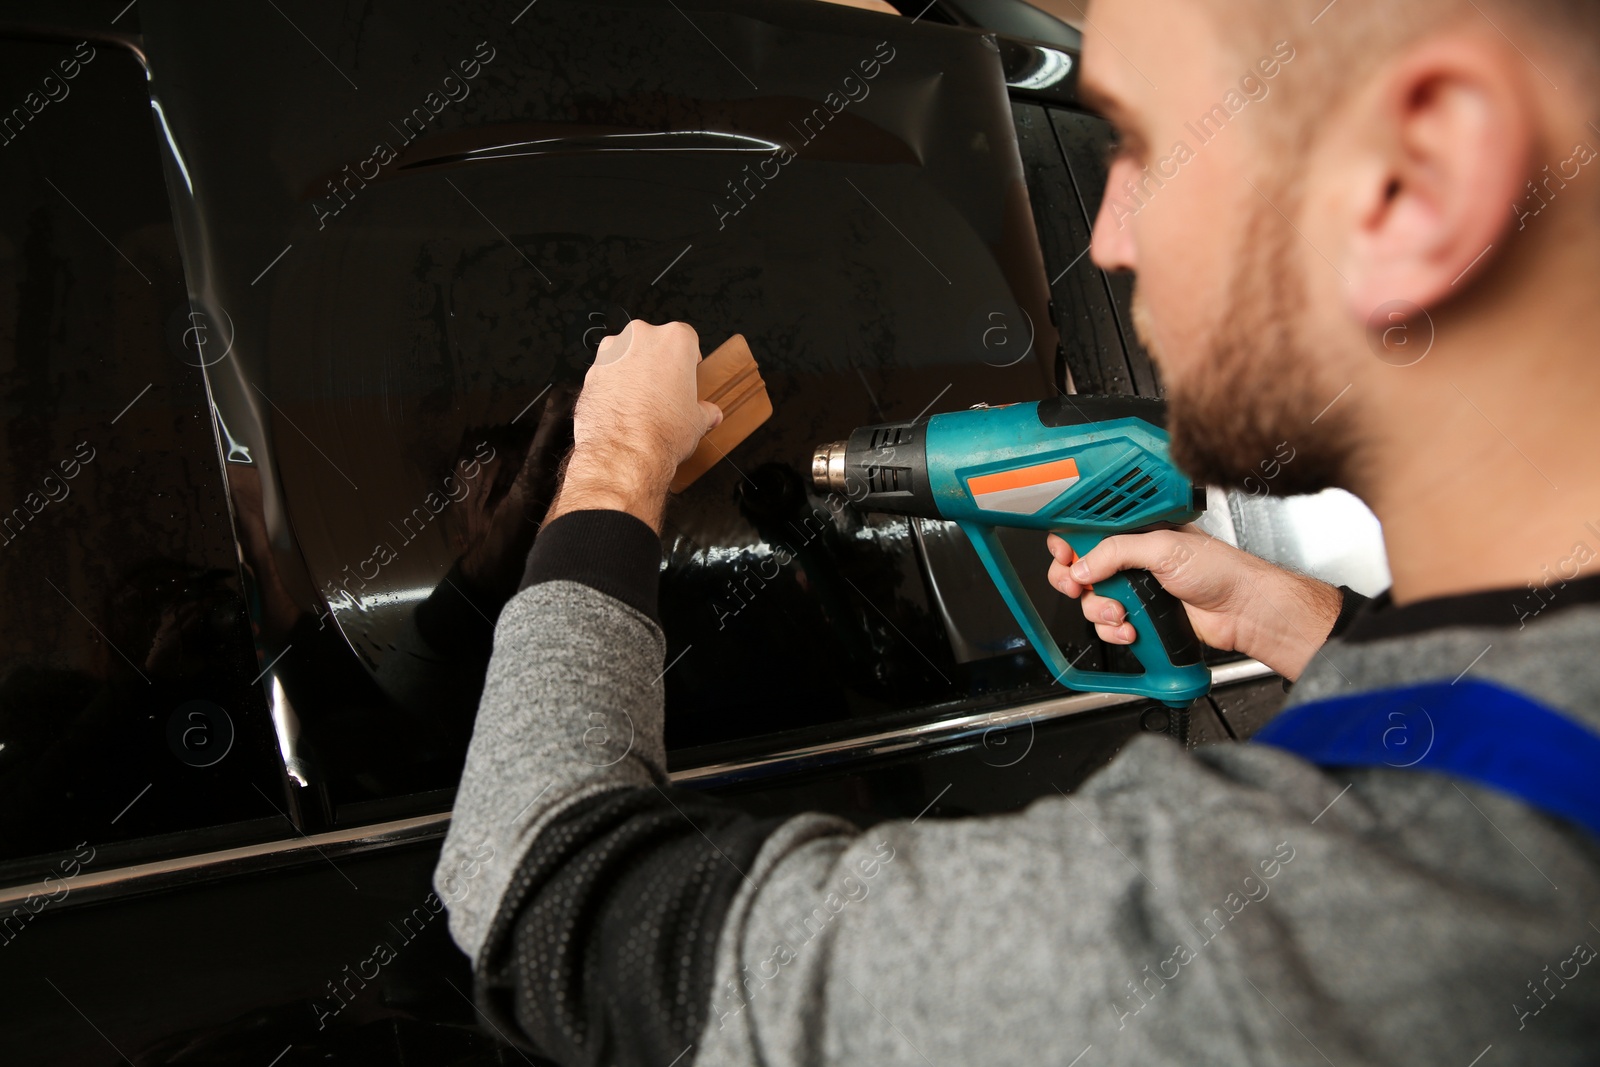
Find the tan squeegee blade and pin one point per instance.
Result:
(730, 379)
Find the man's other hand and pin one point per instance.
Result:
(1235, 601)
(637, 419)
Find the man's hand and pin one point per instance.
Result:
(1235, 601)
(637, 419)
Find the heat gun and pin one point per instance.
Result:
(1082, 467)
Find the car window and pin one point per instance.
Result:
(417, 271)
(127, 704)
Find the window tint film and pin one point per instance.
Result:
(420, 230)
(126, 665)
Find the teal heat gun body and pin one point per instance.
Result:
(1082, 467)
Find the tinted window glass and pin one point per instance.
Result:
(417, 271)
(126, 704)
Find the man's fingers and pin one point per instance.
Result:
(1098, 609)
(1109, 617)
(1061, 579)
(1152, 552)
(613, 347)
(685, 329)
(713, 415)
(1120, 634)
(1101, 563)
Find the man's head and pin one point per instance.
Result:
(1315, 193)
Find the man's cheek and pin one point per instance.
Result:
(1189, 246)
(1144, 324)
(1169, 314)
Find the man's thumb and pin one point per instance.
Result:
(1106, 559)
(713, 415)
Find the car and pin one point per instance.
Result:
(300, 297)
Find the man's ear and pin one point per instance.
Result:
(1452, 127)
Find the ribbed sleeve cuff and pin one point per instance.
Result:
(1353, 603)
(609, 551)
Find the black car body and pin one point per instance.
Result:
(300, 296)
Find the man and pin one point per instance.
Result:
(1409, 872)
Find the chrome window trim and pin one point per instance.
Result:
(182, 870)
(179, 870)
(938, 732)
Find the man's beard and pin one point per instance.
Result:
(1253, 397)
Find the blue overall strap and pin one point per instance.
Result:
(1474, 730)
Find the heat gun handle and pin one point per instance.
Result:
(1165, 644)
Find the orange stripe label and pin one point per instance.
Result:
(1023, 477)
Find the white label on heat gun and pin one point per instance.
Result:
(1024, 490)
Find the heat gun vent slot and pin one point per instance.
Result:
(890, 436)
(889, 479)
(1122, 497)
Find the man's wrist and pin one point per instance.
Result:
(1295, 627)
(614, 480)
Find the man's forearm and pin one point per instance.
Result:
(571, 703)
(613, 480)
(587, 890)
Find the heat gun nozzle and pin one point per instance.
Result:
(827, 466)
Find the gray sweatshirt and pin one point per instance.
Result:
(1231, 905)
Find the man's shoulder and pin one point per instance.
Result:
(1552, 658)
